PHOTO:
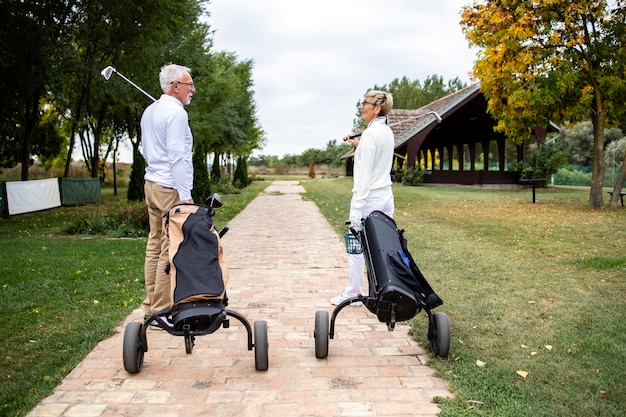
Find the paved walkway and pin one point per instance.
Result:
(285, 263)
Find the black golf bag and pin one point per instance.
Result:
(397, 288)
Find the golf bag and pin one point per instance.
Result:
(197, 266)
(397, 288)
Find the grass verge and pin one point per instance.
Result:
(534, 293)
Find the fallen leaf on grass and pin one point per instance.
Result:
(480, 363)
(549, 347)
(523, 374)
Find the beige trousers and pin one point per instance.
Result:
(159, 200)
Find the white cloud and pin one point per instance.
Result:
(314, 60)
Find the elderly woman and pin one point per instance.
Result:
(373, 158)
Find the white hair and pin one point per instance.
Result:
(171, 73)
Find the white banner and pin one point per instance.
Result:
(27, 196)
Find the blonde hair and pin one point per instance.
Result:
(382, 99)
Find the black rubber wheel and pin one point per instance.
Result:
(261, 359)
(439, 334)
(321, 334)
(133, 351)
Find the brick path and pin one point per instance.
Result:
(285, 263)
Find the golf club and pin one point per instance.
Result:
(108, 71)
(434, 113)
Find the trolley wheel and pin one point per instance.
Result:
(133, 351)
(321, 334)
(260, 346)
(439, 334)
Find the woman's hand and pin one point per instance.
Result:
(353, 141)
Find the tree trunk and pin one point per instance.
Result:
(97, 139)
(31, 120)
(117, 141)
(70, 150)
(597, 174)
(25, 157)
(618, 185)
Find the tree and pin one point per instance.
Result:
(615, 156)
(542, 162)
(216, 170)
(240, 178)
(412, 95)
(136, 41)
(201, 183)
(135, 183)
(578, 141)
(551, 60)
(224, 113)
(32, 34)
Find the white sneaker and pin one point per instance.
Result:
(341, 298)
(159, 322)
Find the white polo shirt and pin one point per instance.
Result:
(167, 145)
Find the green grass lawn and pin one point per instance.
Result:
(535, 288)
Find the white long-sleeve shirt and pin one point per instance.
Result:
(373, 159)
(167, 145)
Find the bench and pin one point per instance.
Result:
(621, 196)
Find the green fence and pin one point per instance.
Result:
(79, 190)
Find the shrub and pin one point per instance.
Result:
(130, 221)
(412, 176)
(571, 175)
(201, 181)
(126, 219)
(225, 186)
(135, 183)
(240, 178)
(542, 162)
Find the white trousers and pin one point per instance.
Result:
(381, 200)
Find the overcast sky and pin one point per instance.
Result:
(314, 60)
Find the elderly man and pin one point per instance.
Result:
(167, 147)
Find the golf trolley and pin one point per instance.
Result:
(397, 288)
(198, 275)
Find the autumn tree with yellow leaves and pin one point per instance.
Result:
(552, 60)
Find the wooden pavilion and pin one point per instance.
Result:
(462, 149)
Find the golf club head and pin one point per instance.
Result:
(214, 201)
(107, 72)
